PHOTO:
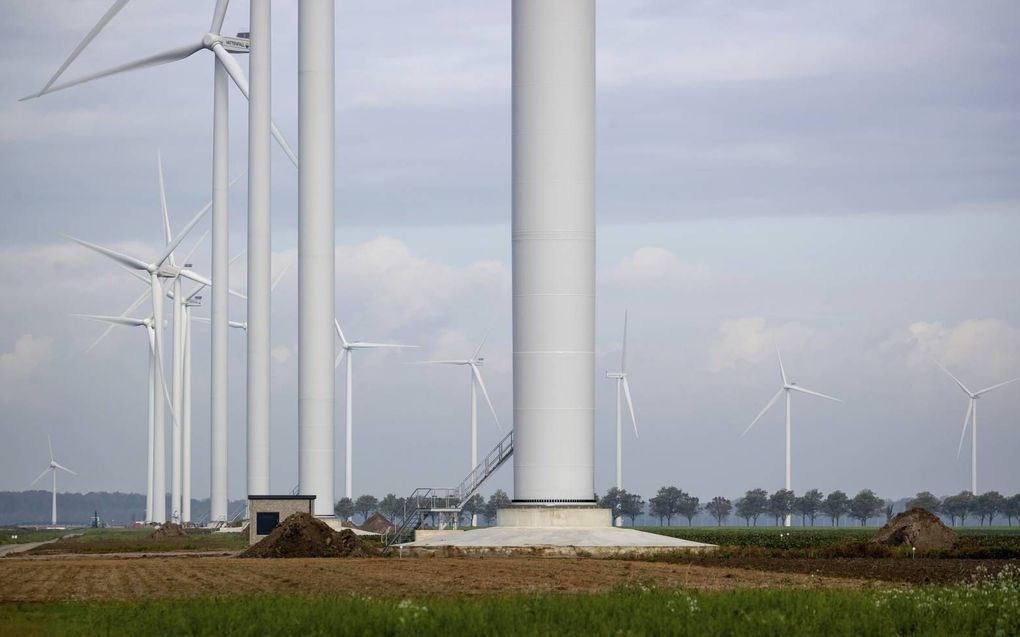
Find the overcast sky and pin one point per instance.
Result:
(835, 179)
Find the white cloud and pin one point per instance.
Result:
(751, 340)
(655, 266)
(987, 350)
(28, 356)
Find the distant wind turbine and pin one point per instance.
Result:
(474, 363)
(54, 466)
(972, 417)
(622, 392)
(347, 349)
(786, 389)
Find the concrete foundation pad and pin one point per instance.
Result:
(550, 541)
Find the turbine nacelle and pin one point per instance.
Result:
(233, 44)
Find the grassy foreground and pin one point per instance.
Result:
(988, 607)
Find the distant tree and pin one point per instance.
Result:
(613, 500)
(780, 504)
(753, 505)
(498, 500)
(632, 505)
(344, 508)
(474, 506)
(890, 508)
(366, 505)
(391, 506)
(1012, 508)
(836, 505)
(720, 508)
(866, 505)
(988, 505)
(926, 500)
(663, 504)
(808, 506)
(688, 506)
(958, 506)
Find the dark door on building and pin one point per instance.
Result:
(266, 521)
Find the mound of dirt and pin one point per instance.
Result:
(167, 531)
(301, 535)
(918, 528)
(378, 523)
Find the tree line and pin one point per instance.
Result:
(672, 503)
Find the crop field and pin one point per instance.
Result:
(987, 607)
(762, 580)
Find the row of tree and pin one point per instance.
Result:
(672, 503)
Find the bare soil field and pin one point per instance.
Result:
(47, 580)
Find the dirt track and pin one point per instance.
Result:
(23, 580)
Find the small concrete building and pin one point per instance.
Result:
(267, 511)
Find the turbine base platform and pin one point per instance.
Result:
(549, 532)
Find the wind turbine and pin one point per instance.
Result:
(224, 66)
(622, 391)
(972, 417)
(347, 349)
(54, 465)
(474, 363)
(786, 389)
(114, 321)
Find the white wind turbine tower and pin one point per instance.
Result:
(622, 392)
(224, 66)
(54, 466)
(786, 389)
(972, 418)
(474, 363)
(347, 349)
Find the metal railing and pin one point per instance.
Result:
(447, 503)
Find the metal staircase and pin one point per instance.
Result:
(444, 505)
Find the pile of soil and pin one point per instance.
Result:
(918, 528)
(378, 523)
(167, 531)
(301, 535)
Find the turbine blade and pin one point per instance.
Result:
(630, 405)
(762, 412)
(340, 357)
(201, 319)
(438, 363)
(279, 277)
(237, 257)
(171, 55)
(988, 389)
(158, 354)
(340, 333)
(62, 467)
(49, 443)
(103, 21)
(814, 393)
(167, 235)
(623, 354)
(191, 224)
(480, 346)
(115, 320)
(236, 73)
(481, 384)
(119, 257)
(360, 345)
(958, 381)
(966, 421)
(219, 13)
(40, 476)
(782, 370)
(131, 308)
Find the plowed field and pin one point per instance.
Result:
(42, 580)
